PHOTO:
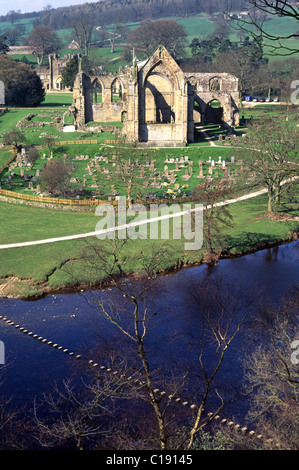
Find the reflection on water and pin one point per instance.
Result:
(32, 367)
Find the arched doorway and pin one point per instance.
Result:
(214, 112)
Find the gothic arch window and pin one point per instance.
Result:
(215, 84)
(159, 99)
(97, 92)
(116, 90)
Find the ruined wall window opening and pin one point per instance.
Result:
(97, 92)
(116, 91)
(215, 84)
(159, 100)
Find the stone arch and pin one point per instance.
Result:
(117, 89)
(69, 118)
(97, 91)
(214, 111)
(161, 68)
(58, 84)
(215, 84)
(159, 89)
(159, 99)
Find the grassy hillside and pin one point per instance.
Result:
(196, 26)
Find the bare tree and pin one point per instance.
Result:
(219, 311)
(216, 218)
(32, 156)
(272, 373)
(130, 311)
(44, 40)
(55, 176)
(218, 316)
(255, 24)
(125, 170)
(82, 411)
(83, 27)
(14, 138)
(150, 34)
(272, 158)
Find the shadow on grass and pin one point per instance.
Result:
(251, 241)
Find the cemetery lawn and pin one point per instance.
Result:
(35, 270)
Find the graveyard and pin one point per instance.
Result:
(160, 172)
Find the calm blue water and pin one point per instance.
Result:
(32, 367)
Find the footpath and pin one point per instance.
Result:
(126, 226)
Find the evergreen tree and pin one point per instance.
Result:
(69, 72)
(3, 45)
(23, 86)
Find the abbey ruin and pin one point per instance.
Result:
(157, 102)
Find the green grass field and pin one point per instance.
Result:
(199, 26)
(50, 263)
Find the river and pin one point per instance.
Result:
(32, 366)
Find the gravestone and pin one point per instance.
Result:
(200, 169)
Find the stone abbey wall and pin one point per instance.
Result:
(158, 103)
(51, 76)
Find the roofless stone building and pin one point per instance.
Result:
(158, 103)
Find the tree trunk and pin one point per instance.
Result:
(149, 386)
(270, 200)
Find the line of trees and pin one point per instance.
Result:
(111, 11)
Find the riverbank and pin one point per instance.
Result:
(45, 256)
(24, 289)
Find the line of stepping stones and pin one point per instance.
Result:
(162, 394)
